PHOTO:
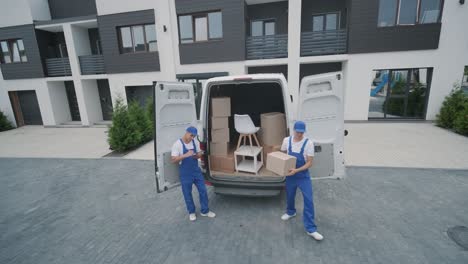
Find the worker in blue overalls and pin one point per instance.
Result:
(303, 149)
(186, 152)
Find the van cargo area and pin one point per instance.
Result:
(253, 99)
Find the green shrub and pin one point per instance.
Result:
(460, 124)
(5, 124)
(452, 105)
(150, 114)
(138, 116)
(124, 133)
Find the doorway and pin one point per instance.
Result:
(72, 101)
(105, 98)
(25, 108)
(400, 93)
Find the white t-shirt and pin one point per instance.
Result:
(297, 146)
(178, 150)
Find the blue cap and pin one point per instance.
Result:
(192, 130)
(300, 127)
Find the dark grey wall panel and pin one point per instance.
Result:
(270, 69)
(31, 69)
(310, 8)
(365, 36)
(318, 68)
(231, 47)
(71, 8)
(129, 62)
(277, 11)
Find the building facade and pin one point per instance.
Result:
(66, 62)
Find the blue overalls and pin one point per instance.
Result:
(190, 174)
(301, 180)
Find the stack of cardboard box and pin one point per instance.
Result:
(221, 157)
(272, 132)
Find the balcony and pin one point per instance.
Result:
(267, 47)
(92, 64)
(323, 42)
(58, 67)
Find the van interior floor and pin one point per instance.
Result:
(262, 173)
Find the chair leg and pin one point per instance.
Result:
(239, 141)
(250, 139)
(245, 138)
(256, 140)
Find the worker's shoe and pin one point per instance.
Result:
(316, 235)
(286, 217)
(209, 214)
(192, 217)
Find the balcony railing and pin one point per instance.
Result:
(58, 67)
(267, 47)
(92, 64)
(323, 42)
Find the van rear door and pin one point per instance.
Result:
(174, 106)
(321, 108)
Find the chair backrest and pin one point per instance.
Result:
(244, 124)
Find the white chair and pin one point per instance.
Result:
(246, 128)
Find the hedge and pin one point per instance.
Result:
(5, 124)
(452, 105)
(131, 126)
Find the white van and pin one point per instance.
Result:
(318, 102)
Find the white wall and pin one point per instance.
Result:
(81, 40)
(5, 105)
(92, 102)
(448, 62)
(39, 9)
(14, 13)
(452, 54)
(105, 7)
(117, 82)
(59, 102)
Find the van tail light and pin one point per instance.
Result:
(208, 183)
(203, 158)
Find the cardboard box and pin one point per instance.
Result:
(280, 163)
(220, 148)
(219, 122)
(223, 163)
(267, 150)
(221, 107)
(220, 135)
(273, 128)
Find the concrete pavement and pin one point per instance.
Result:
(107, 211)
(415, 145)
(40, 142)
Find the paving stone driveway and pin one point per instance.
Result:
(107, 211)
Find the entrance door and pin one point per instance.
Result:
(105, 99)
(26, 108)
(72, 101)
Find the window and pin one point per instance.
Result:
(408, 12)
(262, 28)
(138, 38)
(429, 11)
(200, 27)
(12, 51)
(325, 22)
